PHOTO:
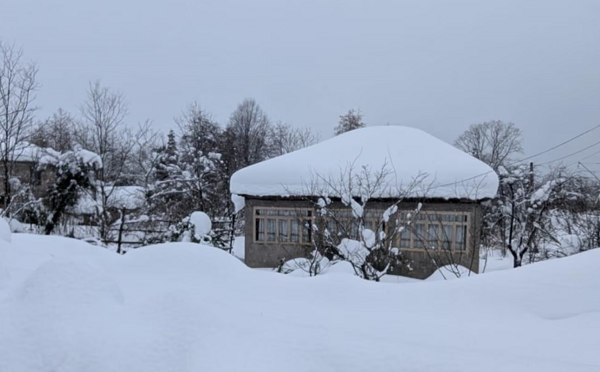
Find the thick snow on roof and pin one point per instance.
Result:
(416, 164)
(27, 152)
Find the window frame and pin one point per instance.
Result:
(296, 220)
(300, 216)
(460, 219)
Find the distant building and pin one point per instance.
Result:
(282, 197)
(25, 161)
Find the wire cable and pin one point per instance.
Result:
(533, 156)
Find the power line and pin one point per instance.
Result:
(534, 156)
(587, 157)
(574, 153)
(560, 144)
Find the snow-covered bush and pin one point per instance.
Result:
(196, 228)
(522, 212)
(348, 228)
(75, 173)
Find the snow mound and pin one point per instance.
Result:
(73, 282)
(187, 258)
(186, 307)
(343, 267)
(4, 274)
(406, 153)
(450, 272)
(5, 234)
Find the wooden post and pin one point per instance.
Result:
(121, 227)
(232, 234)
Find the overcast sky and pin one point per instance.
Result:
(435, 65)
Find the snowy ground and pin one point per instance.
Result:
(68, 306)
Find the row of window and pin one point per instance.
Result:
(285, 230)
(442, 230)
(435, 236)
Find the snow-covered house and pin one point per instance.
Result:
(376, 178)
(23, 165)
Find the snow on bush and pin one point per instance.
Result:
(202, 224)
(16, 226)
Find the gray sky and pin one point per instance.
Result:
(435, 65)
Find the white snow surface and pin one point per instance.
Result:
(128, 197)
(68, 306)
(406, 153)
(238, 202)
(202, 224)
(27, 152)
(5, 233)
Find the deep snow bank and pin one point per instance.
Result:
(184, 307)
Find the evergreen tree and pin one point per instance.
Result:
(165, 193)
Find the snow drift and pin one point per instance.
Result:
(71, 307)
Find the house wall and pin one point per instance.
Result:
(420, 263)
(270, 255)
(24, 171)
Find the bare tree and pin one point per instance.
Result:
(55, 132)
(197, 127)
(246, 136)
(284, 139)
(17, 93)
(493, 142)
(103, 130)
(352, 120)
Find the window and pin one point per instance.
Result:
(295, 231)
(446, 231)
(418, 235)
(284, 234)
(260, 230)
(461, 238)
(405, 238)
(433, 235)
(271, 231)
(434, 230)
(283, 225)
(447, 237)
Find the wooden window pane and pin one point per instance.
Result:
(260, 230)
(283, 230)
(461, 238)
(306, 231)
(418, 235)
(432, 235)
(271, 230)
(295, 231)
(447, 237)
(405, 238)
